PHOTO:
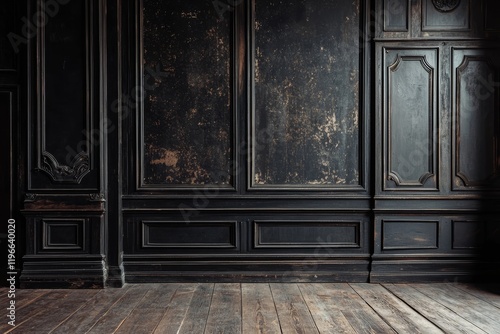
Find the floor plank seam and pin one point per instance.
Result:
(422, 291)
(374, 310)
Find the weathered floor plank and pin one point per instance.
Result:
(177, 311)
(400, 316)
(258, 308)
(325, 310)
(258, 311)
(113, 318)
(197, 313)
(361, 317)
(55, 312)
(490, 294)
(31, 311)
(148, 313)
(225, 310)
(86, 317)
(468, 307)
(441, 316)
(293, 313)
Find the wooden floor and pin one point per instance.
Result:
(258, 308)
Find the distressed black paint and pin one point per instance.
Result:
(307, 68)
(187, 125)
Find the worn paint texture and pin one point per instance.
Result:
(187, 121)
(307, 76)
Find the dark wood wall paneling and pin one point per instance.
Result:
(437, 183)
(64, 184)
(11, 83)
(247, 151)
(256, 119)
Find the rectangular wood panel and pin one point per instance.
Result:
(452, 15)
(66, 78)
(306, 75)
(476, 125)
(64, 71)
(173, 234)
(64, 234)
(396, 15)
(7, 109)
(401, 235)
(468, 234)
(186, 118)
(410, 126)
(306, 234)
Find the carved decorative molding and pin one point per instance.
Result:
(97, 197)
(30, 197)
(62, 173)
(472, 113)
(425, 147)
(446, 6)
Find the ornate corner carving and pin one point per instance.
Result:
(62, 173)
(446, 6)
(30, 197)
(98, 197)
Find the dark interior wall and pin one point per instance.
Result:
(258, 141)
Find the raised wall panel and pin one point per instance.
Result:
(173, 234)
(476, 120)
(396, 15)
(307, 234)
(450, 15)
(406, 235)
(8, 105)
(186, 111)
(468, 234)
(67, 82)
(306, 119)
(410, 126)
(64, 234)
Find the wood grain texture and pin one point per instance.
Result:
(113, 318)
(441, 316)
(196, 316)
(260, 308)
(487, 293)
(91, 312)
(293, 313)
(401, 317)
(258, 312)
(326, 312)
(467, 306)
(177, 308)
(225, 309)
(360, 315)
(54, 311)
(151, 307)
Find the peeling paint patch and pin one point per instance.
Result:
(307, 70)
(187, 119)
